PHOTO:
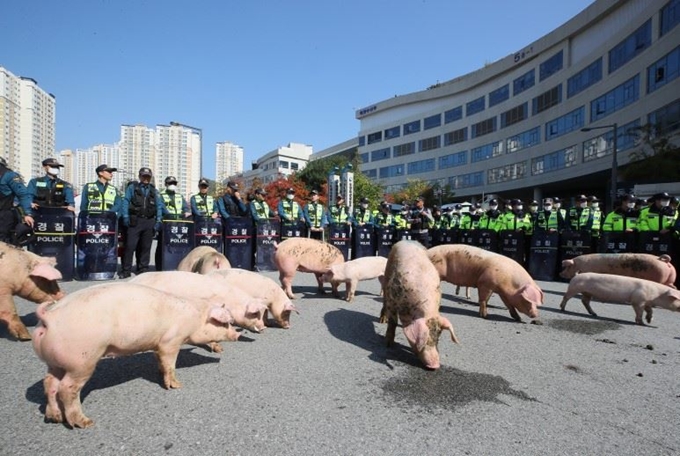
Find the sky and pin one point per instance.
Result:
(258, 73)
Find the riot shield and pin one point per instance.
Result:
(466, 237)
(617, 242)
(208, 231)
(543, 255)
(177, 241)
(656, 243)
(486, 239)
(384, 238)
(238, 242)
(450, 236)
(296, 229)
(55, 237)
(97, 241)
(511, 245)
(403, 235)
(267, 235)
(363, 242)
(574, 243)
(339, 237)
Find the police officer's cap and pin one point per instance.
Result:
(144, 171)
(478, 205)
(260, 191)
(628, 197)
(101, 168)
(203, 182)
(23, 234)
(290, 191)
(435, 208)
(533, 203)
(364, 200)
(493, 201)
(232, 185)
(171, 180)
(314, 192)
(516, 202)
(557, 200)
(547, 200)
(593, 199)
(582, 198)
(420, 198)
(52, 162)
(457, 206)
(339, 197)
(662, 195)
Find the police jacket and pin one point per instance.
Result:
(98, 197)
(314, 215)
(230, 206)
(362, 215)
(11, 186)
(289, 211)
(337, 214)
(490, 220)
(656, 219)
(203, 205)
(51, 192)
(620, 220)
(174, 205)
(259, 210)
(143, 201)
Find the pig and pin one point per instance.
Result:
(111, 320)
(306, 255)
(641, 265)
(202, 260)
(248, 312)
(351, 272)
(489, 272)
(616, 289)
(260, 287)
(29, 276)
(412, 295)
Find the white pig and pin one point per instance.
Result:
(351, 272)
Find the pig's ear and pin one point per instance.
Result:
(566, 263)
(446, 324)
(255, 308)
(46, 271)
(221, 314)
(532, 294)
(290, 307)
(417, 333)
(674, 293)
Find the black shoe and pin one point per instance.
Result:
(124, 275)
(141, 271)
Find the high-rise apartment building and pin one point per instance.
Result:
(27, 123)
(229, 158)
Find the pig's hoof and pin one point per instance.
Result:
(173, 384)
(536, 322)
(21, 335)
(53, 416)
(215, 347)
(83, 423)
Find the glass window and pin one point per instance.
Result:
(486, 151)
(550, 66)
(467, 180)
(483, 128)
(515, 115)
(630, 47)
(453, 114)
(421, 166)
(453, 160)
(391, 171)
(380, 154)
(432, 122)
(283, 164)
(432, 143)
(602, 145)
(666, 120)
(405, 149)
(455, 137)
(374, 137)
(475, 106)
(499, 95)
(412, 127)
(364, 157)
(370, 173)
(507, 173)
(362, 141)
(547, 99)
(294, 166)
(524, 82)
(567, 123)
(554, 161)
(523, 140)
(584, 78)
(393, 132)
(664, 70)
(670, 16)
(615, 99)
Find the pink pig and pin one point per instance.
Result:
(305, 255)
(29, 276)
(489, 272)
(351, 272)
(641, 265)
(111, 320)
(202, 260)
(413, 295)
(642, 294)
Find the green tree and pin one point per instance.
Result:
(412, 190)
(656, 160)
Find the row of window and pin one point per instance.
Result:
(659, 74)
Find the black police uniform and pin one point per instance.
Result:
(142, 217)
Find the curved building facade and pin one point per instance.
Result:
(514, 126)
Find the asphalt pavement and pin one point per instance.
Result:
(575, 385)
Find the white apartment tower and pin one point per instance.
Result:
(229, 160)
(27, 123)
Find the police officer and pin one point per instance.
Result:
(421, 220)
(259, 208)
(516, 219)
(548, 219)
(362, 214)
(50, 190)
(142, 215)
(557, 205)
(580, 217)
(490, 219)
(594, 205)
(175, 207)
(12, 186)
(315, 216)
(470, 220)
(202, 204)
(658, 217)
(384, 218)
(289, 210)
(624, 218)
(100, 195)
(231, 204)
(338, 213)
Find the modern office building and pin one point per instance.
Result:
(514, 127)
(27, 123)
(281, 162)
(229, 160)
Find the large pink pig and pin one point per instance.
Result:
(305, 255)
(489, 272)
(351, 272)
(262, 288)
(642, 294)
(29, 276)
(413, 294)
(202, 260)
(641, 265)
(111, 320)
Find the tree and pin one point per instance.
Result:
(657, 158)
(276, 191)
(413, 189)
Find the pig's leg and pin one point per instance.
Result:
(51, 384)
(391, 329)
(167, 359)
(215, 347)
(514, 314)
(585, 299)
(8, 314)
(639, 308)
(457, 290)
(468, 293)
(567, 296)
(648, 312)
(381, 279)
(484, 296)
(287, 284)
(69, 394)
(334, 286)
(350, 288)
(319, 282)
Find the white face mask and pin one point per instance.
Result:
(53, 171)
(547, 207)
(290, 196)
(172, 188)
(665, 203)
(594, 205)
(630, 205)
(519, 207)
(583, 205)
(533, 208)
(557, 205)
(364, 205)
(493, 208)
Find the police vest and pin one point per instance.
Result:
(291, 208)
(619, 221)
(400, 222)
(513, 222)
(143, 205)
(204, 204)
(173, 202)
(364, 217)
(315, 214)
(581, 219)
(261, 208)
(547, 223)
(490, 220)
(232, 207)
(384, 219)
(50, 195)
(653, 219)
(96, 201)
(338, 215)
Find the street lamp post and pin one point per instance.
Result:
(614, 128)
